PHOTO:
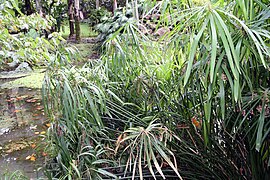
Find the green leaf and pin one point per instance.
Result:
(222, 97)
(106, 173)
(229, 40)
(260, 128)
(154, 158)
(193, 51)
(227, 48)
(148, 158)
(236, 89)
(166, 158)
(250, 33)
(214, 47)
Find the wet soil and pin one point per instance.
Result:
(22, 131)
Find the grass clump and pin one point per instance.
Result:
(16, 175)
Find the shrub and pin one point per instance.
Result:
(204, 83)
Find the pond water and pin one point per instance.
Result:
(22, 131)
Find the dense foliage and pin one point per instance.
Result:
(192, 105)
(96, 16)
(28, 38)
(109, 25)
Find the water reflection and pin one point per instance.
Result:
(21, 117)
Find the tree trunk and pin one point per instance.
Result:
(97, 4)
(38, 7)
(28, 7)
(126, 3)
(136, 11)
(114, 5)
(71, 18)
(77, 19)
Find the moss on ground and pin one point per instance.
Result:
(85, 49)
(34, 80)
(86, 31)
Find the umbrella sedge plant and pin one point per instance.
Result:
(205, 83)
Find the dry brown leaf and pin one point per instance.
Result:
(19, 98)
(48, 125)
(33, 158)
(28, 157)
(39, 108)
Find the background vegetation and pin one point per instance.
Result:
(191, 103)
(181, 90)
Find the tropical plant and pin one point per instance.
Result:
(95, 16)
(110, 25)
(223, 54)
(78, 128)
(22, 39)
(205, 82)
(144, 146)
